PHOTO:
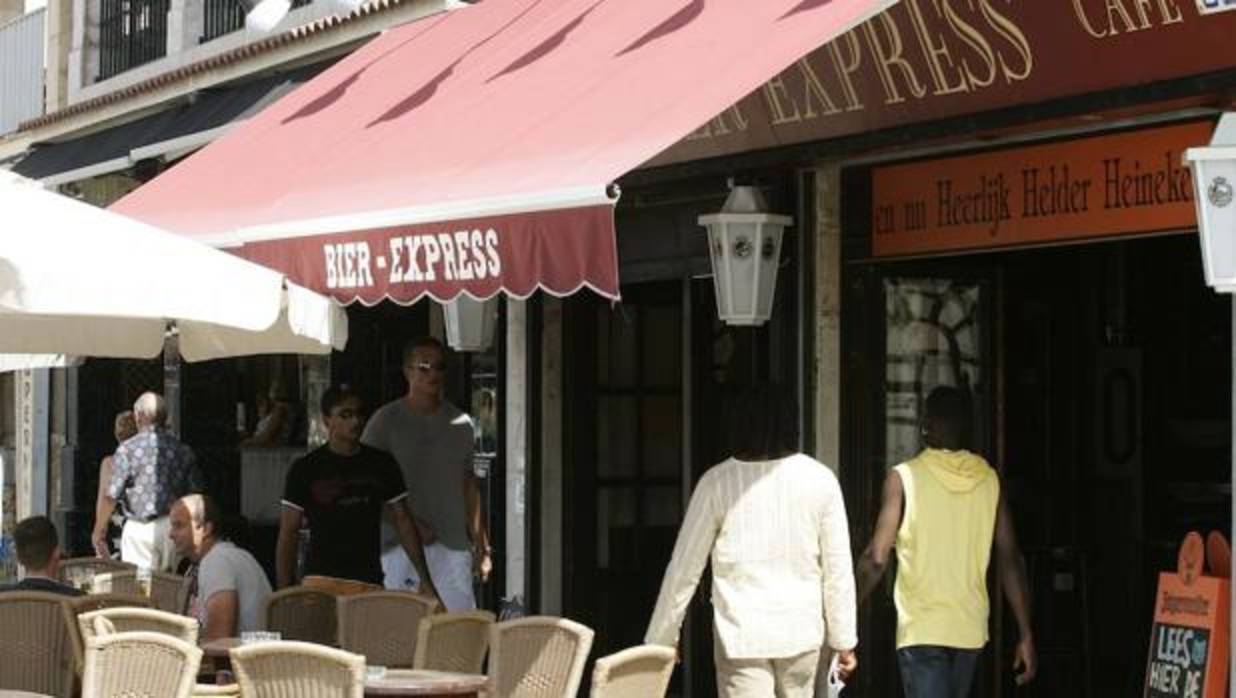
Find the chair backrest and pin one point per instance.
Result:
(454, 641)
(168, 591)
(537, 657)
(122, 665)
(36, 643)
(297, 613)
(379, 625)
(636, 672)
(128, 619)
(94, 602)
(301, 669)
(117, 582)
(80, 571)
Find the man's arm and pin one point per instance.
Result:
(476, 526)
(398, 515)
(222, 609)
(290, 519)
(874, 561)
(1017, 590)
(691, 551)
(840, 607)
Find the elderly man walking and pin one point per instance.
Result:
(151, 471)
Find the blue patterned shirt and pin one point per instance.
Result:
(152, 470)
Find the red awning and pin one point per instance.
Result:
(474, 151)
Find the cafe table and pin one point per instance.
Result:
(7, 693)
(395, 682)
(424, 683)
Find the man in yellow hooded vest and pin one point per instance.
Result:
(941, 511)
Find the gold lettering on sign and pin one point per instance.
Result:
(937, 53)
(1012, 33)
(776, 96)
(814, 92)
(717, 125)
(1117, 7)
(1119, 18)
(973, 38)
(890, 56)
(1085, 20)
(847, 68)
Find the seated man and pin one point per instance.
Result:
(38, 550)
(231, 586)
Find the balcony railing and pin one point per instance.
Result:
(226, 16)
(131, 32)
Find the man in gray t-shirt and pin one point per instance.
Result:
(230, 586)
(432, 441)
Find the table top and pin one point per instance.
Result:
(420, 682)
(219, 647)
(7, 693)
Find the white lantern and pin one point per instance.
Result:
(470, 323)
(261, 16)
(1214, 186)
(745, 246)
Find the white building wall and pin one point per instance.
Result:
(21, 69)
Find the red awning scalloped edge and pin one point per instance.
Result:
(558, 251)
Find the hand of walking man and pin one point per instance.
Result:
(847, 664)
(1026, 660)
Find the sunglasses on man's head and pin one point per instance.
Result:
(426, 367)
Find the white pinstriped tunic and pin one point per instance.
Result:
(783, 579)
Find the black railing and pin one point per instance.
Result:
(131, 32)
(226, 16)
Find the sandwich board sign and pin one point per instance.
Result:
(1189, 638)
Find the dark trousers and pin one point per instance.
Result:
(928, 671)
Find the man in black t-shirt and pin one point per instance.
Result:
(344, 488)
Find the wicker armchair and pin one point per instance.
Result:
(379, 625)
(636, 672)
(36, 645)
(127, 620)
(80, 571)
(122, 665)
(117, 582)
(168, 592)
(95, 602)
(537, 657)
(301, 669)
(453, 641)
(297, 613)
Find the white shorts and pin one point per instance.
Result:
(451, 570)
(146, 544)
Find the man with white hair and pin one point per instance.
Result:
(151, 471)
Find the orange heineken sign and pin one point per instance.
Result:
(1118, 184)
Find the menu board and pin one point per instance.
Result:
(1189, 638)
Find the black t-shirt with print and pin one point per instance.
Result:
(343, 499)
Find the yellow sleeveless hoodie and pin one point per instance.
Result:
(943, 547)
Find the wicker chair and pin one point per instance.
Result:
(122, 665)
(537, 657)
(297, 613)
(36, 643)
(380, 625)
(80, 571)
(453, 641)
(95, 602)
(127, 620)
(117, 582)
(168, 592)
(636, 672)
(301, 669)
